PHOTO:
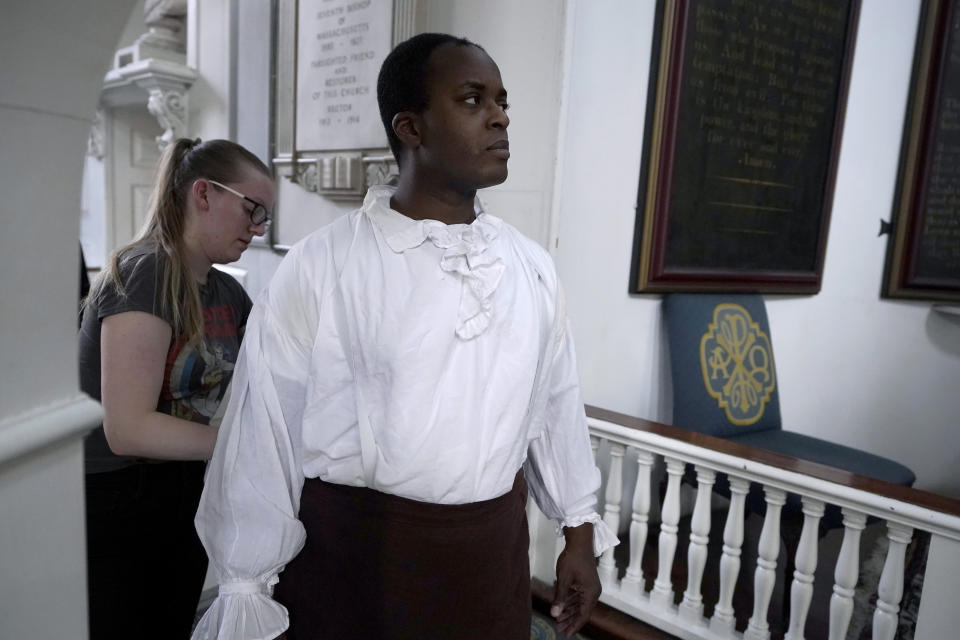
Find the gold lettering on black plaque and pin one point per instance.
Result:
(923, 255)
(938, 252)
(755, 126)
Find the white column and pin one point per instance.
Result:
(662, 594)
(209, 52)
(845, 574)
(691, 609)
(722, 622)
(766, 573)
(939, 615)
(801, 591)
(891, 582)
(632, 583)
(611, 513)
(55, 58)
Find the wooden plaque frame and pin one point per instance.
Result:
(906, 271)
(657, 264)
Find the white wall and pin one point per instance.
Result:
(134, 26)
(526, 40)
(55, 55)
(209, 24)
(853, 368)
(93, 219)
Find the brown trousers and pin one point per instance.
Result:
(376, 566)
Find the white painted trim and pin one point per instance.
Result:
(566, 64)
(193, 34)
(665, 619)
(939, 616)
(887, 509)
(36, 428)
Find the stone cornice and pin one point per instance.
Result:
(129, 84)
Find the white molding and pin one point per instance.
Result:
(566, 66)
(40, 426)
(339, 175)
(888, 509)
(164, 71)
(939, 615)
(946, 309)
(404, 20)
(160, 85)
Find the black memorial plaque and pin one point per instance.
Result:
(743, 130)
(923, 255)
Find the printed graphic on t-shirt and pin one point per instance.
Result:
(197, 372)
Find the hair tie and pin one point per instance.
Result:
(194, 143)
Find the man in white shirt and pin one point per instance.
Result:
(404, 379)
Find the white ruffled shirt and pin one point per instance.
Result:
(424, 360)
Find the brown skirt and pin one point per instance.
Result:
(377, 566)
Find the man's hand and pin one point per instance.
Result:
(578, 585)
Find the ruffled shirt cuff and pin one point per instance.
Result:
(243, 611)
(603, 537)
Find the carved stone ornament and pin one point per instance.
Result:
(166, 22)
(96, 142)
(169, 107)
(381, 169)
(343, 176)
(307, 176)
(153, 70)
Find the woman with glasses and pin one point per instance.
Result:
(158, 341)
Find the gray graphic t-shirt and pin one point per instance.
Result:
(197, 372)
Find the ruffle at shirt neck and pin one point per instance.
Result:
(465, 251)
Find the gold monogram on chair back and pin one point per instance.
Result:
(737, 364)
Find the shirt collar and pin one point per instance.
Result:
(399, 231)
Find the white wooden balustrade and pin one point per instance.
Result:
(616, 438)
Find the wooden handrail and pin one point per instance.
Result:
(917, 497)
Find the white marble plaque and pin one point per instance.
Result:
(341, 45)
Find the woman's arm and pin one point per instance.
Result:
(133, 353)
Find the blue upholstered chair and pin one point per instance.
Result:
(725, 383)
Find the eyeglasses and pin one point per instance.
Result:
(258, 215)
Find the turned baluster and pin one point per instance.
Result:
(691, 609)
(632, 583)
(763, 579)
(801, 590)
(662, 594)
(891, 582)
(611, 513)
(722, 622)
(845, 575)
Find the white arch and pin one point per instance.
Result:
(55, 55)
